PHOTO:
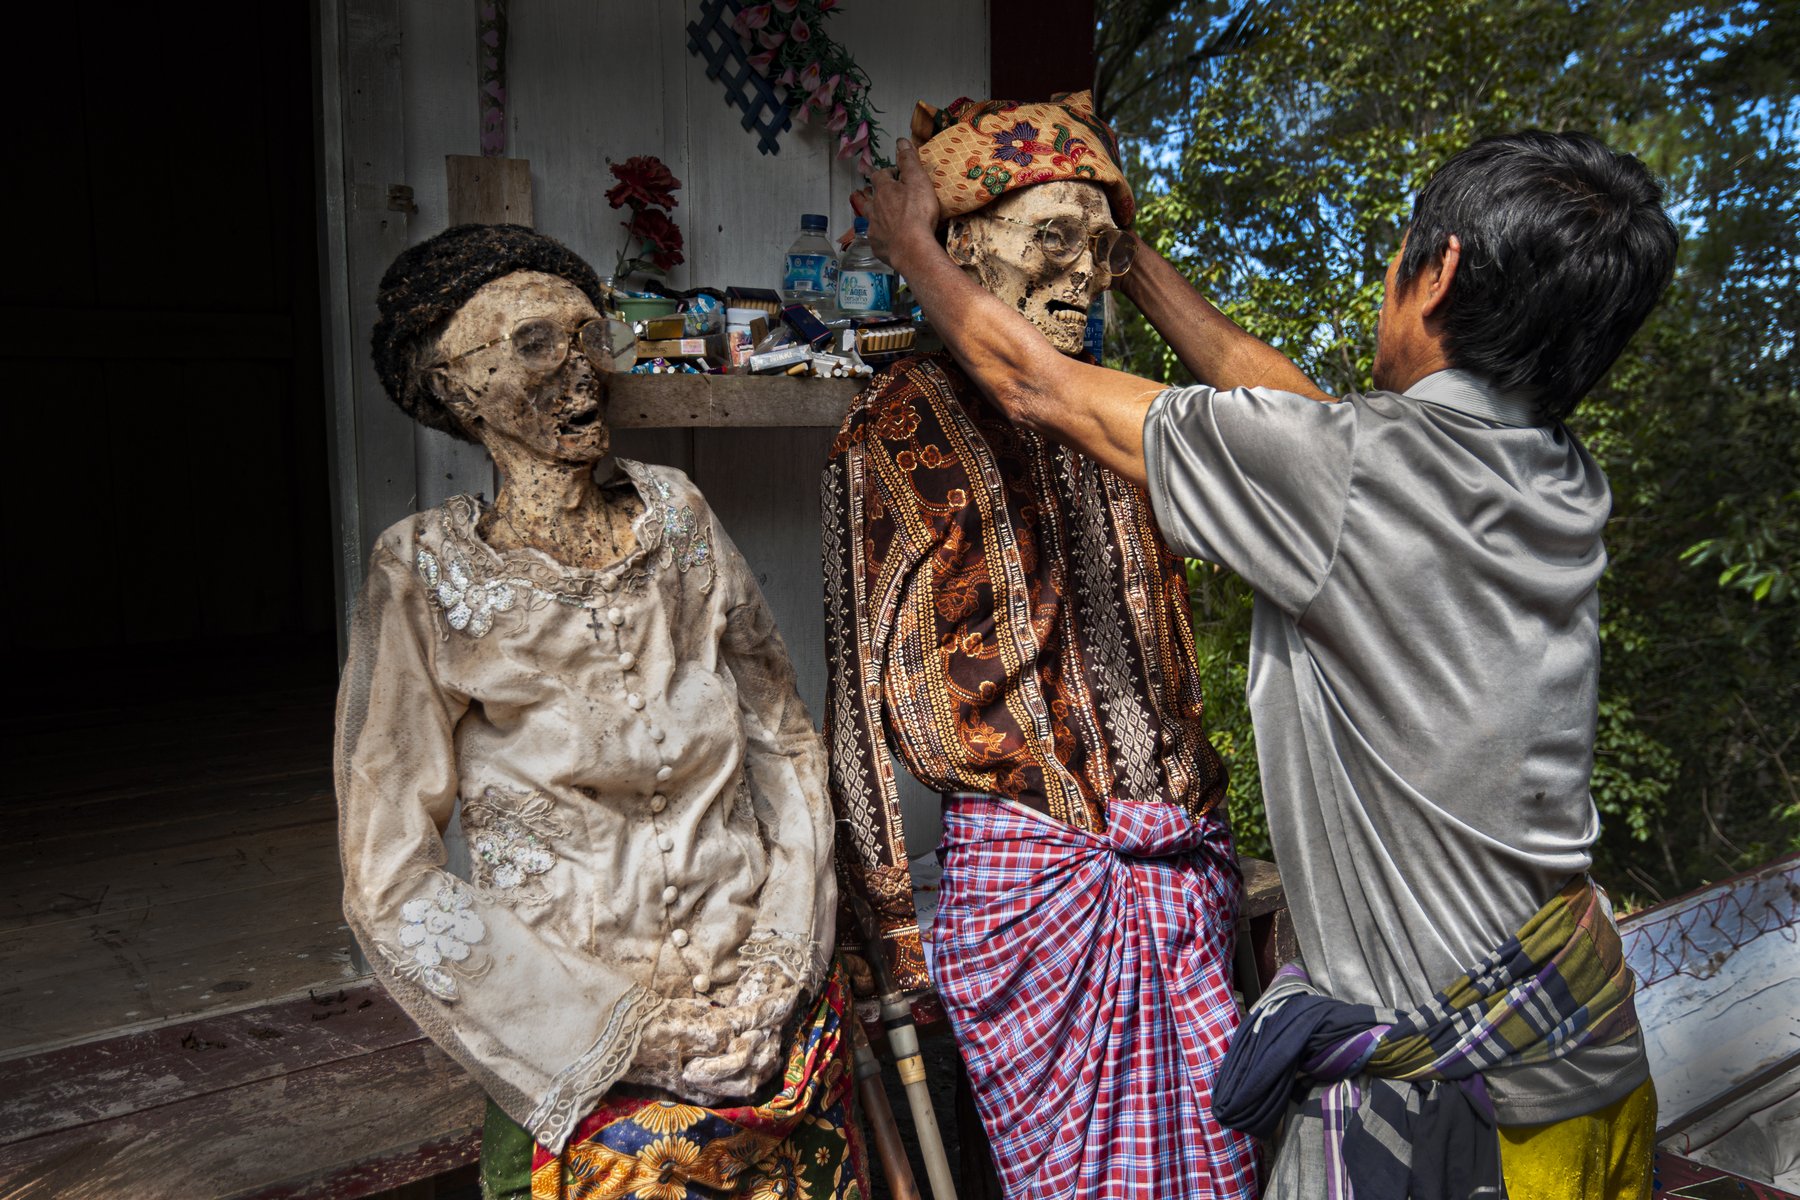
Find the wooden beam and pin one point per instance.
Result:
(1039, 47)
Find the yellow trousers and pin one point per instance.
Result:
(1604, 1155)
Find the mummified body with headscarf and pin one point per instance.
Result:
(642, 937)
(1003, 613)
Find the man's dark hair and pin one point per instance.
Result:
(1565, 250)
(429, 282)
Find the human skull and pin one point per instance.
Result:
(557, 415)
(1003, 247)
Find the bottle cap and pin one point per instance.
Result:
(811, 221)
(862, 226)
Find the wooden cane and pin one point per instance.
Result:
(909, 1061)
(882, 1130)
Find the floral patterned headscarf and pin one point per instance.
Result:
(978, 150)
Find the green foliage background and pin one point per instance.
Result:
(1277, 147)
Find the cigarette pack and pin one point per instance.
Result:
(701, 347)
(806, 325)
(763, 300)
(780, 360)
(882, 339)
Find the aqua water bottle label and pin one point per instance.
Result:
(810, 273)
(865, 291)
(1094, 339)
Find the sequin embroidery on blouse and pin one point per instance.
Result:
(436, 937)
(684, 543)
(510, 847)
(469, 604)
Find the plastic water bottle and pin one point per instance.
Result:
(1093, 338)
(811, 272)
(865, 284)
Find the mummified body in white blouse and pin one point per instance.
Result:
(642, 791)
(589, 668)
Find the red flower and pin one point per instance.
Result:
(801, 30)
(787, 6)
(761, 61)
(661, 236)
(643, 183)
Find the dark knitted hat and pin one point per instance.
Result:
(429, 282)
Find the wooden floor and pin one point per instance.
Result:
(178, 1012)
(166, 859)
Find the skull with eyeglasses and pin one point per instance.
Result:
(1049, 250)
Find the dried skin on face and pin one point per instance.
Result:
(557, 416)
(1009, 258)
(545, 428)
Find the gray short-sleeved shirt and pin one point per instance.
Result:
(1423, 672)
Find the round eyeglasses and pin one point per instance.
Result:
(542, 344)
(1062, 240)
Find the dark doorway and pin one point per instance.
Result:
(168, 613)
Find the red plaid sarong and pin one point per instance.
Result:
(1087, 976)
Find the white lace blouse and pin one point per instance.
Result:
(642, 790)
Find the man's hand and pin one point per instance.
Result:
(902, 208)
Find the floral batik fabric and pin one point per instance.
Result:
(978, 150)
(1002, 612)
(802, 1144)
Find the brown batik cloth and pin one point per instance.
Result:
(1002, 611)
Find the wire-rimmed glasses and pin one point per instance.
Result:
(541, 344)
(1062, 239)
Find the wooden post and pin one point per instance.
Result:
(488, 191)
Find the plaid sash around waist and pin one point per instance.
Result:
(1407, 1112)
(1088, 978)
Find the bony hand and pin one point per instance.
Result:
(763, 999)
(684, 1029)
(747, 1062)
(709, 1049)
(902, 207)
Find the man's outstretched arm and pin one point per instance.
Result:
(1209, 344)
(1097, 411)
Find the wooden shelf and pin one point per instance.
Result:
(703, 401)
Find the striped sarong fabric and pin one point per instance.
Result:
(1407, 1113)
(1088, 978)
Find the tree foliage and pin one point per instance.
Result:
(1278, 145)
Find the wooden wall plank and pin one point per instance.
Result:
(363, 153)
(912, 53)
(584, 84)
(442, 117)
(438, 104)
